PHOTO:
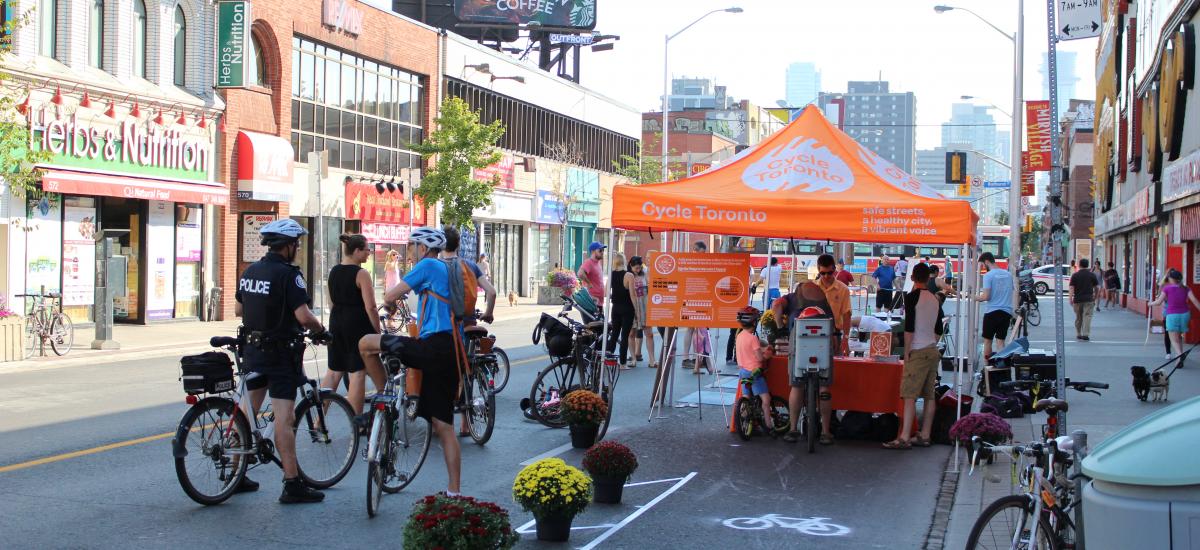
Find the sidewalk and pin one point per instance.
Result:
(1118, 341)
(176, 339)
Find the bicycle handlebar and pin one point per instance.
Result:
(222, 341)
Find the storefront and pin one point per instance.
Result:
(1136, 243)
(146, 182)
(501, 230)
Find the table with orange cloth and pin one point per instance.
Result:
(859, 384)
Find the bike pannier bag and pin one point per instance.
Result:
(556, 334)
(209, 372)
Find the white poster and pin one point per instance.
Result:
(188, 241)
(160, 261)
(185, 283)
(43, 244)
(79, 252)
(252, 250)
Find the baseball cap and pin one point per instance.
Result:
(595, 246)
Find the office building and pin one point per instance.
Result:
(881, 120)
(1067, 79)
(803, 84)
(697, 93)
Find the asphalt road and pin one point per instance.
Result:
(117, 487)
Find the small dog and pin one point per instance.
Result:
(1141, 382)
(1160, 384)
(512, 298)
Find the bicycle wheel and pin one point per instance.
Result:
(1005, 523)
(607, 393)
(743, 418)
(501, 369)
(812, 416)
(1033, 316)
(481, 409)
(31, 338)
(62, 334)
(408, 446)
(554, 382)
(325, 450)
(780, 416)
(206, 469)
(380, 431)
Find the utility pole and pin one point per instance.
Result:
(1057, 228)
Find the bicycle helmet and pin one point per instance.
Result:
(432, 238)
(810, 312)
(278, 232)
(748, 315)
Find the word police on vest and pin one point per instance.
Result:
(254, 286)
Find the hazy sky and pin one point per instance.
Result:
(939, 57)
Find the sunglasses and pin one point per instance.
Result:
(825, 273)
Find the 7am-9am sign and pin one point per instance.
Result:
(233, 40)
(697, 290)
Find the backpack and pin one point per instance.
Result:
(464, 287)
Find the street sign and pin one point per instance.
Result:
(963, 189)
(1078, 19)
(975, 181)
(995, 185)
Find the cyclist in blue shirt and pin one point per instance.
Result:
(433, 350)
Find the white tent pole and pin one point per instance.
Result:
(959, 362)
(606, 304)
(767, 280)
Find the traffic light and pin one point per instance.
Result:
(956, 167)
(1028, 224)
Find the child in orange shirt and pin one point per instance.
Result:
(752, 354)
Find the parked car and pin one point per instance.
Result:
(1043, 277)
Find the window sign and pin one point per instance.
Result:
(160, 261)
(233, 40)
(43, 245)
(79, 253)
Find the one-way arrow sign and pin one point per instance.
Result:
(1079, 19)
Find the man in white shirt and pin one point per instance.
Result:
(770, 274)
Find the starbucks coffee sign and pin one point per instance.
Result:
(124, 146)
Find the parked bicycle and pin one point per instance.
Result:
(221, 435)
(399, 440)
(577, 362)
(483, 353)
(748, 414)
(47, 323)
(476, 397)
(1047, 513)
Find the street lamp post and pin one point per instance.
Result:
(1014, 196)
(989, 104)
(666, 132)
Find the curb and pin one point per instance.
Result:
(935, 539)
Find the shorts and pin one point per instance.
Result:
(274, 371)
(758, 386)
(772, 295)
(883, 298)
(995, 325)
(434, 356)
(1178, 322)
(920, 374)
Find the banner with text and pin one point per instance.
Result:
(1037, 124)
(233, 39)
(697, 290)
(1028, 187)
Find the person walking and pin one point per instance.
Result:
(901, 272)
(1177, 314)
(1101, 290)
(391, 270)
(1082, 295)
(640, 294)
(997, 293)
(485, 266)
(922, 327)
(1112, 284)
(622, 313)
(354, 315)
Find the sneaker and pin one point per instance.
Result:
(295, 492)
(246, 486)
(1084, 338)
(689, 363)
(792, 436)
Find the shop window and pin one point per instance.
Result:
(48, 28)
(180, 47)
(139, 38)
(258, 65)
(96, 34)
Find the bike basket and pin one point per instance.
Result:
(486, 343)
(210, 372)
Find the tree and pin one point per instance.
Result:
(461, 145)
(565, 191)
(1031, 242)
(1001, 217)
(17, 158)
(638, 168)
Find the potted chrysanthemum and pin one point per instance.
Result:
(554, 493)
(441, 521)
(987, 426)
(610, 464)
(583, 411)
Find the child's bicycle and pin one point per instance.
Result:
(748, 413)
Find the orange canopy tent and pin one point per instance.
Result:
(807, 181)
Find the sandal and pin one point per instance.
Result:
(898, 445)
(654, 365)
(826, 439)
(919, 441)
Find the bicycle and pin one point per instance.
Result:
(748, 415)
(476, 397)
(483, 352)
(399, 440)
(220, 437)
(45, 323)
(582, 369)
(1051, 494)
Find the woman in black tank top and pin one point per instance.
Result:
(354, 315)
(622, 310)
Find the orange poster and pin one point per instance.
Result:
(688, 289)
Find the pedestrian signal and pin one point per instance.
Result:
(956, 167)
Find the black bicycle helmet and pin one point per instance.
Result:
(748, 315)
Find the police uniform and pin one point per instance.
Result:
(270, 290)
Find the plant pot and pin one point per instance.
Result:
(607, 490)
(583, 436)
(549, 295)
(12, 338)
(554, 528)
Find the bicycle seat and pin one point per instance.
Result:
(595, 326)
(1050, 405)
(475, 332)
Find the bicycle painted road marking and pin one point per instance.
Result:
(815, 526)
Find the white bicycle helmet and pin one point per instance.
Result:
(281, 232)
(432, 238)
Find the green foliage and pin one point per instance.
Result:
(461, 144)
(1031, 243)
(1001, 217)
(459, 523)
(17, 160)
(639, 168)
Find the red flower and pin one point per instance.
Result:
(429, 524)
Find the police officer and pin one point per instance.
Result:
(272, 300)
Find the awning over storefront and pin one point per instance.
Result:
(80, 183)
(264, 167)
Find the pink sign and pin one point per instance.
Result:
(385, 233)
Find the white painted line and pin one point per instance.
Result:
(603, 536)
(552, 452)
(529, 528)
(652, 482)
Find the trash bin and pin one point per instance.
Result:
(1145, 485)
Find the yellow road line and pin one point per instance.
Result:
(85, 452)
